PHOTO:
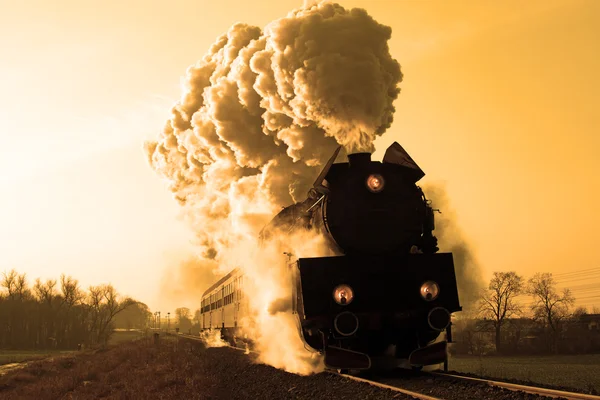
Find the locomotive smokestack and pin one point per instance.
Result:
(358, 159)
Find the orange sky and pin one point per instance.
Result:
(498, 101)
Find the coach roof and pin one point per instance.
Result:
(220, 282)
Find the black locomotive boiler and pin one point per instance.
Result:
(390, 294)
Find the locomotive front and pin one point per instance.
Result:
(390, 294)
(374, 208)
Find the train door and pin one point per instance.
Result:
(211, 311)
(235, 301)
(204, 313)
(222, 307)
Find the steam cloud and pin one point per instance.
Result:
(190, 275)
(260, 115)
(451, 239)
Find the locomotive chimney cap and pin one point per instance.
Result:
(357, 159)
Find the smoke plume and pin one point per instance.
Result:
(259, 116)
(451, 239)
(185, 279)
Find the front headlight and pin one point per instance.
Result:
(375, 183)
(430, 290)
(343, 295)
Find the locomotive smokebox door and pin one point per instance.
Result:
(387, 284)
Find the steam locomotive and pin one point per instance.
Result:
(389, 296)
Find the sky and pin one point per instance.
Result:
(498, 102)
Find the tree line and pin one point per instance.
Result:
(59, 314)
(550, 322)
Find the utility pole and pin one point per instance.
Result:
(168, 321)
(158, 319)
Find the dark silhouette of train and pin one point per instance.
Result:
(388, 296)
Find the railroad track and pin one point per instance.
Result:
(393, 384)
(523, 388)
(449, 386)
(407, 392)
(415, 395)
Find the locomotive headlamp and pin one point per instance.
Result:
(375, 183)
(430, 290)
(343, 294)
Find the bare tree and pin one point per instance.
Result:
(15, 284)
(549, 307)
(105, 304)
(44, 292)
(8, 282)
(182, 313)
(498, 301)
(71, 292)
(54, 314)
(135, 316)
(579, 312)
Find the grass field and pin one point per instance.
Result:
(124, 336)
(574, 371)
(16, 356)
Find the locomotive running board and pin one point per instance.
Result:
(435, 353)
(338, 358)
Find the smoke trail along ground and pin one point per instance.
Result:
(468, 271)
(259, 116)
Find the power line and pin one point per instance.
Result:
(577, 272)
(579, 279)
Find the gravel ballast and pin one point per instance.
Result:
(175, 369)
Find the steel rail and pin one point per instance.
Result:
(416, 395)
(524, 388)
